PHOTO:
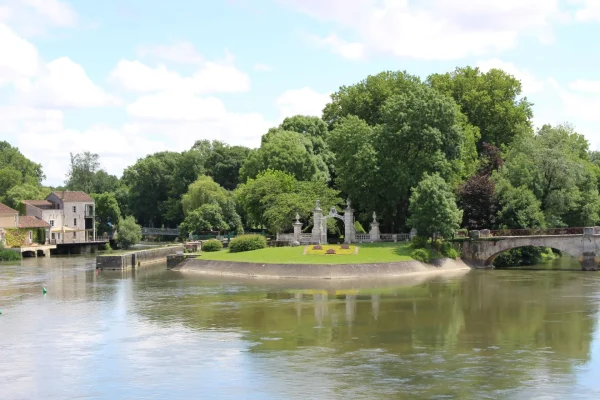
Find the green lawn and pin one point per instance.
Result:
(368, 253)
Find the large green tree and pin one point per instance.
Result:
(222, 161)
(19, 177)
(156, 184)
(108, 213)
(433, 208)
(554, 165)
(85, 174)
(129, 233)
(491, 101)
(418, 130)
(285, 151)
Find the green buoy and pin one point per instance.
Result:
(0, 312)
(44, 290)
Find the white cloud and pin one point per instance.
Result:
(530, 83)
(350, 50)
(62, 84)
(263, 67)
(33, 17)
(589, 11)
(59, 83)
(433, 29)
(303, 101)
(18, 57)
(175, 106)
(180, 53)
(212, 77)
(582, 85)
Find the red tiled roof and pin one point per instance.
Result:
(32, 222)
(4, 209)
(73, 196)
(38, 203)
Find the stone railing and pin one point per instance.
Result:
(160, 231)
(362, 237)
(394, 237)
(305, 238)
(285, 236)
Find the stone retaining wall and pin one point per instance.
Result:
(317, 271)
(136, 258)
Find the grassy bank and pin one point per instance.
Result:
(367, 253)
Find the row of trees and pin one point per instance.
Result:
(455, 149)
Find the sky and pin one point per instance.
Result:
(126, 78)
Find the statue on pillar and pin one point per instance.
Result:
(374, 217)
(297, 217)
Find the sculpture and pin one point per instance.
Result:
(318, 207)
(374, 217)
(297, 217)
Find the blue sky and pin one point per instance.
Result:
(127, 78)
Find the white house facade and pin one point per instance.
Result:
(71, 216)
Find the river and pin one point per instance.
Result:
(153, 333)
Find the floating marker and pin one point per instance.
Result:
(0, 312)
(44, 291)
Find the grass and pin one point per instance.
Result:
(368, 253)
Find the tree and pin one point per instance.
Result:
(280, 210)
(419, 131)
(208, 217)
(207, 192)
(9, 177)
(255, 196)
(11, 157)
(222, 161)
(156, 184)
(554, 165)
(108, 213)
(476, 197)
(491, 101)
(433, 208)
(16, 194)
(82, 172)
(129, 233)
(518, 207)
(285, 151)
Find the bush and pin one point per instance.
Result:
(445, 248)
(247, 243)
(420, 255)
(129, 233)
(452, 253)
(419, 242)
(212, 245)
(9, 255)
(107, 247)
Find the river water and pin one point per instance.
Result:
(158, 334)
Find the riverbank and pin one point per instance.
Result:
(132, 259)
(318, 271)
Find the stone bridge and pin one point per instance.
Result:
(480, 253)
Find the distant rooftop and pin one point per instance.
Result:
(4, 209)
(73, 196)
(44, 204)
(32, 222)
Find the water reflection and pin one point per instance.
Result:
(474, 335)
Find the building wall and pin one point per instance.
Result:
(79, 215)
(33, 211)
(8, 220)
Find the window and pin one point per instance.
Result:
(51, 222)
(54, 236)
(74, 209)
(75, 222)
(74, 235)
(30, 235)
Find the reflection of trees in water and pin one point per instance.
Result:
(488, 330)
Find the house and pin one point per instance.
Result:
(27, 230)
(70, 215)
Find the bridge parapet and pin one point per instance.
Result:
(581, 243)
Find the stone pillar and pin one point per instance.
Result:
(324, 229)
(588, 262)
(317, 216)
(349, 224)
(297, 230)
(374, 232)
(412, 234)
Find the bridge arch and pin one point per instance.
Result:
(490, 260)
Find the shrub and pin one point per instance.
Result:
(107, 247)
(445, 248)
(419, 242)
(420, 255)
(247, 243)
(212, 245)
(9, 255)
(129, 233)
(452, 253)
